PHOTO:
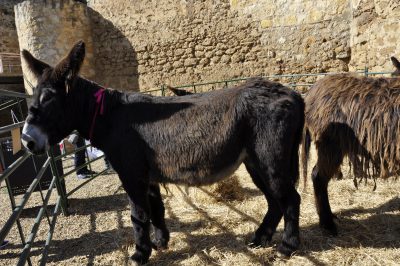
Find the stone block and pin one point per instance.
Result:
(225, 59)
(215, 60)
(204, 61)
(179, 52)
(177, 64)
(190, 62)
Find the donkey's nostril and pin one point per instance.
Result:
(30, 145)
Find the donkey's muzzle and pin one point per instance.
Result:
(28, 142)
(33, 139)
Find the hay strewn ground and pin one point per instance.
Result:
(207, 231)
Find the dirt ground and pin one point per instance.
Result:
(207, 231)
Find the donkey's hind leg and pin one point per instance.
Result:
(161, 233)
(273, 216)
(320, 183)
(289, 201)
(283, 199)
(322, 172)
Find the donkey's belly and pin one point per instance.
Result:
(200, 175)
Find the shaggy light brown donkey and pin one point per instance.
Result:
(354, 116)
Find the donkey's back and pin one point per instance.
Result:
(201, 138)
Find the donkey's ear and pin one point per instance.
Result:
(395, 62)
(69, 67)
(35, 65)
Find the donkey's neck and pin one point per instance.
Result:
(83, 102)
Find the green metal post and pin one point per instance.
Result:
(50, 234)
(20, 110)
(18, 208)
(59, 184)
(31, 238)
(19, 226)
(162, 90)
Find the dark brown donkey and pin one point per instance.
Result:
(195, 140)
(354, 116)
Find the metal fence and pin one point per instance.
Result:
(10, 63)
(58, 182)
(295, 81)
(301, 82)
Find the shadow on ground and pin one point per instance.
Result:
(380, 230)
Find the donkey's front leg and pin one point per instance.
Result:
(140, 216)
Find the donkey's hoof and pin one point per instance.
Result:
(258, 241)
(288, 246)
(139, 258)
(285, 250)
(160, 244)
(161, 239)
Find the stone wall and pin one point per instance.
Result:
(180, 42)
(8, 32)
(9, 64)
(300, 36)
(115, 58)
(48, 29)
(374, 33)
(143, 44)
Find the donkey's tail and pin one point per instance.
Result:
(305, 152)
(179, 92)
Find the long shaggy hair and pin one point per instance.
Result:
(358, 117)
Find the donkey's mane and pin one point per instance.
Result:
(370, 110)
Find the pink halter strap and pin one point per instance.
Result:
(99, 95)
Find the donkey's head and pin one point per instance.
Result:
(396, 64)
(49, 120)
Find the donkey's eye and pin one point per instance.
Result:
(45, 97)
